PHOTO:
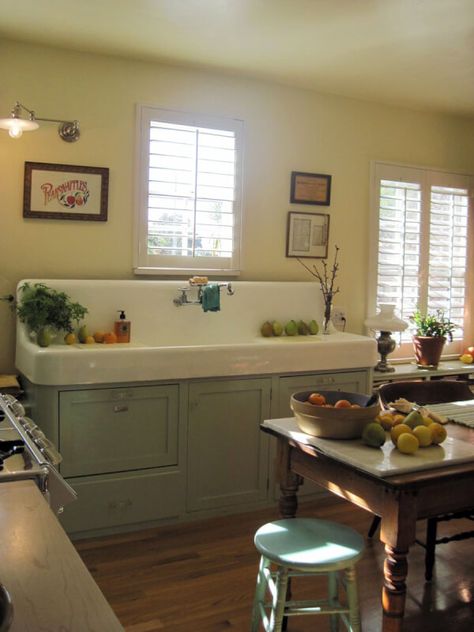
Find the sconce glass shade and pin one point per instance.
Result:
(386, 322)
(16, 126)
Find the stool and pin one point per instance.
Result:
(306, 547)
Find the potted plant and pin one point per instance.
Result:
(431, 331)
(46, 311)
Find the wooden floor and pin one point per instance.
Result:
(200, 577)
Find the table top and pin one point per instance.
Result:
(381, 462)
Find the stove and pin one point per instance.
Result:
(27, 454)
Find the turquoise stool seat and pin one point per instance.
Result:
(301, 547)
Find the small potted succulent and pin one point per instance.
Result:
(46, 311)
(431, 332)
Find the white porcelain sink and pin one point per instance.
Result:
(170, 342)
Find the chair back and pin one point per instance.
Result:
(425, 392)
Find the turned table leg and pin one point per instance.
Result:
(289, 482)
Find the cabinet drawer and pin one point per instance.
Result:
(118, 429)
(109, 501)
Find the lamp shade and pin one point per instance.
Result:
(386, 320)
(13, 122)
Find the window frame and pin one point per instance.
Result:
(144, 263)
(427, 176)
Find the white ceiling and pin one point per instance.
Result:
(415, 53)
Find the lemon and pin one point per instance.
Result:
(423, 434)
(397, 430)
(438, 433)
(407, 443)
(466, 358)
(70, 339)
(427, 421)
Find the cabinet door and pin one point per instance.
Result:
(118, 429)
(227, 451)
(351, 381)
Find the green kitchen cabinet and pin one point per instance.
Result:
(227, 452)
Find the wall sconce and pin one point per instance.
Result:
(16, 125)
(386, 322)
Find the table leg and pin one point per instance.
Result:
(397, 533)
(289, 482)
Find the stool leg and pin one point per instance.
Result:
(260, 591)
(352, 599)
(278, 611)
(333, 600)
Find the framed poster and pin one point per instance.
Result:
(307, 235)
(310, 188)
(65, 192)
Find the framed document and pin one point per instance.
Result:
(65, 192)
(310, 188)
(307, 235)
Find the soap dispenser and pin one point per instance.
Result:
(122, 327)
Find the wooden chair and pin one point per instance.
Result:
(305, 547)
(425, 393)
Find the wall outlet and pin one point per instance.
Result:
(338, 317)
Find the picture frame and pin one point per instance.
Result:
(307, 235)
(70, 192)
(310, 188)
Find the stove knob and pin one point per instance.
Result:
(18, 409)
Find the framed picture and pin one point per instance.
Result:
(310, 188)
(65, 192)
(307, 235)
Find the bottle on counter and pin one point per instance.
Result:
(122, 327)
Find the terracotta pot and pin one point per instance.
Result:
(428, 350)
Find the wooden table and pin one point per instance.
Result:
(400, 500)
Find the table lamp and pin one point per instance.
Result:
(386, 322)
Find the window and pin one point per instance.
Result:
(420, 245)
(189, 182)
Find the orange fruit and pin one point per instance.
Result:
(317, 399)
(342, 403)
(99, 336)
(438, 432)
(397, 430)
(110, 338)
(70, 339)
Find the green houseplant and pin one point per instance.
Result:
(46, 311)
(430, 334)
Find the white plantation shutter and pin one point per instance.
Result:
(421, 242)
(190, 181)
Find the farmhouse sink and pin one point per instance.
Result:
(170, 342)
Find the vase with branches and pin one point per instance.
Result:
(326, 280)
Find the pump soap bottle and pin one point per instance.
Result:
(122, 327)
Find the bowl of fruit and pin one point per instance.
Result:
(333, 414)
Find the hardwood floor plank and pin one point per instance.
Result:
(200, 576)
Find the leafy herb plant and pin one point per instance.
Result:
(41, 306)
(433, 325)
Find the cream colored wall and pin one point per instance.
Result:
(285, 129)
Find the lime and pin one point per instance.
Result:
(374, 435)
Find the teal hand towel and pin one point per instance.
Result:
(211, 299)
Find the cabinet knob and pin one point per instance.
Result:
(120, 409)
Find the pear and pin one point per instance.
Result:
(303, 328)
(44, 337)
(266, 329)
(291, 328)
(277, 328)
(313, 328)
(414, 419)
(82, 334)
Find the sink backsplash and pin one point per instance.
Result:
(157, 321)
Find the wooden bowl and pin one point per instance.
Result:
(333, 423)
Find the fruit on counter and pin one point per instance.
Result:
(414, 419)
(266, 329)
(277, 328)
(70, 339)
(99, 336)
(291, 328)
(407, 443)
(373, 435)
(45, 336)
(342, 403)
(438, 433)
(313, 327)
(303, 329)
(469, 351)
(89, 340)
(110, 338)
(423, 434)
(466, 358)
(317, 399)
(82, 334)
(398, 430)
